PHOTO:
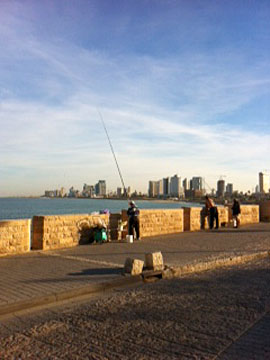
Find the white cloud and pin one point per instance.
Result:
(162, 113)
(71, 139)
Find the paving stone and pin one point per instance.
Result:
(133, 266)
(154, 261)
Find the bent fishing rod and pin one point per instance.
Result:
(110, 143)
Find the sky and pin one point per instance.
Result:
(182, 86)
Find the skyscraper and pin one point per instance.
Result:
(100, 188)
(119, 191)
(186, 184)
(153, 188)
(198, 183)
(176, 189)
(229, 189)
(166, 186)
(88, 190)
(220, 188)
(160, 188)
(264, 182)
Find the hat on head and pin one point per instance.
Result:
(132, 202)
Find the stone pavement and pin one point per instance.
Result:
(220, 314)
(43, 277)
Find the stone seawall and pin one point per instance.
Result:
(265, 210)
(115, 220)
(62, 231)
(55, 232)
(158, 221)
(15, 236)
(195, 218)
(250, 214)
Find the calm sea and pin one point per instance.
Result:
(22, 208)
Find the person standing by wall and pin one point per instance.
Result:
(133, 220)
(235, 213)
(213, 212)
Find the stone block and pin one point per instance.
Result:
(14, 236)
(154, 261)
(133, 266)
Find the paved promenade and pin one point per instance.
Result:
(219, 314)
(50, 276)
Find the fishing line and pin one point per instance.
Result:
(118, 168)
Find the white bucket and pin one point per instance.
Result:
(129, 238)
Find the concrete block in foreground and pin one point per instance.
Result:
(133, 266)
(154, 261)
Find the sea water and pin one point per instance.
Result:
(25, 208)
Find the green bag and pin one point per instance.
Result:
(100, 235)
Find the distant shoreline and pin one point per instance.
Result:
(27, 207)
(112, 198)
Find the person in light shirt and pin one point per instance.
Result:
(213, 212)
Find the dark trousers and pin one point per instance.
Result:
(133, 223)
(213, 216)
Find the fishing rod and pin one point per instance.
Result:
(118, 168)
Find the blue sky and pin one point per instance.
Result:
(183, 87)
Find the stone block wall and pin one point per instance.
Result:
(195, 218)
(223, 215)
(15, 236)
(37, 235)
(158, 222)
(265, 210)
(61, 231)
(113, 224)
(250, 214)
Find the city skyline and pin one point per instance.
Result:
(183, 87)
(171, 186)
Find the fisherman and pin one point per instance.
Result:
(213, 212)
(235, 213)
(133, 220)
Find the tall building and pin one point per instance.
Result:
(129, 190)
(229, 189)
(100, 188)
(264, 182)
(119, 191)
(160, 187)
(166, 186)
(198, 183)
(73, 192)
(220, 188)
(153, 188)
(63, 192)
(175, 187)
(88, 190)
(186, 184)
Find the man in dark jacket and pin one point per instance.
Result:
(235, 213)
(133, 219)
